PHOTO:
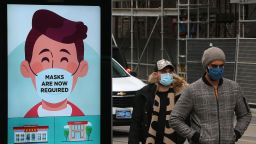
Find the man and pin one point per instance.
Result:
(211, 102)
(153, 105)
(54, 53)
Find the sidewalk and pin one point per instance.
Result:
(249, 136)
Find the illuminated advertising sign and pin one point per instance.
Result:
(54, 66)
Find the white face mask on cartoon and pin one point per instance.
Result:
(54, 85)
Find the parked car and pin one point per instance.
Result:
(124, 88)
(120, 58)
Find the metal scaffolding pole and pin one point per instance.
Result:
(188, 21)
(162, 29)
(178, 37)
(243, 23)
(132, 45)
(239, 18)
(146, 45)
(197, 29)
(144, 12)
(236, 56)
(146, 33)
(114, 40)
(208, 19)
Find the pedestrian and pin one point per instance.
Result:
(212, 103)
(153, 105)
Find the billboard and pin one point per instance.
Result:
(54, 73)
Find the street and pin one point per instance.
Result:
(120, 133)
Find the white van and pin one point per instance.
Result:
(124, 88)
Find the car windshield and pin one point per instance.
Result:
(117, 70)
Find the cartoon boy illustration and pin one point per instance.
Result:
(54, 60)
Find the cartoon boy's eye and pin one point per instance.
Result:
(64, 59)
(45, 59)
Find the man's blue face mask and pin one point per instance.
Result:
(216, 73)
(166, 79)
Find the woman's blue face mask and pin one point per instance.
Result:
(166, 79)
(216, 73)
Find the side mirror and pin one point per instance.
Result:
(133, 73)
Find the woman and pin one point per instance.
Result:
(153, 105)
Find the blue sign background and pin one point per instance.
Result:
(21, 92)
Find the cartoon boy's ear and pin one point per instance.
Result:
(25, 69)
(83, 69)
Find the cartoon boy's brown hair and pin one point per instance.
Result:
(57, 28)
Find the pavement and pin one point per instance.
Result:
(120, 133)
(249, 136)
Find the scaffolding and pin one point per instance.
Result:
(132, 9)
(189, 22)
(228, 25)
(246, 49)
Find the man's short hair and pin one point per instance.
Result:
(57, 28)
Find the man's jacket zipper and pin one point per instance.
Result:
(216, 96)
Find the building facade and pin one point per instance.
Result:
(30, 134)
(77, 130)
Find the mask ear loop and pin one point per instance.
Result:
(207, 68)
(32, 70)
(76, 69)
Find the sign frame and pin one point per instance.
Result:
(105, 62)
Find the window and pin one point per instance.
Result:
(33, 137)
(82, 127)
(73, 134)
(44, 137)
(117, 70)
(82, 134)
(22, 136)
(28, 137)
(39, 136)
(17, 137)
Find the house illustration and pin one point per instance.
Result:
(30, 134)
(77, 130)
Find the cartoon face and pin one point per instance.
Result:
(48, 53)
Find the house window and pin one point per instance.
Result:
(28, 137)
(22, 137)
(44, 137)
(82, 134)
(39, 136)
(17, 137)
(33, 137)
(73, 134)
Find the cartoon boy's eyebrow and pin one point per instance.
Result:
(66, 51)
(45, 50)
